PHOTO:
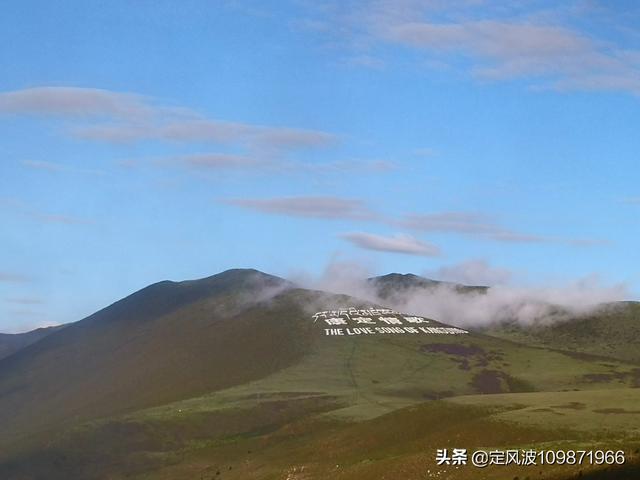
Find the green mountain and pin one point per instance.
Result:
(242, 375)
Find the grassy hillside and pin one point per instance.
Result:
(290, 437)
(231, 377)
(611, 331)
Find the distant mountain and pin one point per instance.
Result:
(12, 342)
(612, 330)
(395, 285)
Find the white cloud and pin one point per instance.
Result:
(545, 46)
(208, 131)
(399, 243)
(114, 117)
(308, 207)
(213, 161)
(503, 49)
(507, 302)
(459, 223)
(467, 223)
(75, 102)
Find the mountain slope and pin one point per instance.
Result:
(611, 331)
(165, 342)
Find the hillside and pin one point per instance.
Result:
(243, 375)
(160, 344)
(612, 330)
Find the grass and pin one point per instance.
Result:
(400, 444)
(616, 411)
(370, 376)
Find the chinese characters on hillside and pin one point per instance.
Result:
(376, 321)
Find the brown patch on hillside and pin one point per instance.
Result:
(616, 411)
(464, 354)
(456, 349)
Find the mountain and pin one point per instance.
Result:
(612, 330)
(159, 344)
(12, 342)
(244, 375)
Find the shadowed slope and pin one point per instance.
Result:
(162, 343)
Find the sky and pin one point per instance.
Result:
(470, 140)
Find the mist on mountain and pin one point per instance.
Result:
(468, 305)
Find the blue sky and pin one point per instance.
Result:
(172, 140)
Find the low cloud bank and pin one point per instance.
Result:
(499, 303)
